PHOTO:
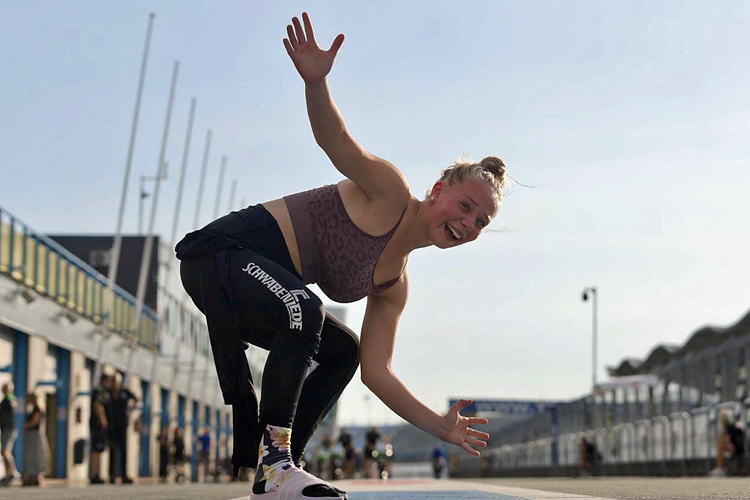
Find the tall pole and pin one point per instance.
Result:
(114, 260)
(232, 192)
(592, 292)
(593, 332)
(221, 184)
(185, 153)
(148, 245)
(206, 150)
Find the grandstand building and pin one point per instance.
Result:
(56, 324)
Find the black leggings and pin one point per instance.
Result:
(277, 312)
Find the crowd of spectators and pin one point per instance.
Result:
(342, 459)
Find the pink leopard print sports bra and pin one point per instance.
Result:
(334, 252)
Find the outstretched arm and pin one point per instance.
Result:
(375, 176)
(376, 352)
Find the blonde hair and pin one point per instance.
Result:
(491, 170)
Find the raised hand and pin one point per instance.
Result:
(312, 63)
(458, 431)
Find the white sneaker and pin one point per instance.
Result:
(718, 472)
(291, 482)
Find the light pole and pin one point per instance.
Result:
(591, 291)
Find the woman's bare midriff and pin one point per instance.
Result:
(277, 209)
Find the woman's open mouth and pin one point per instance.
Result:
(451, 233)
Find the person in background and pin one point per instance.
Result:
(8, 433)
(204, 451)
(438, 461)
(371, 447)
(36, 451)
(590, 457)
(178, 458)
(345, 439)
(731, 444)
(100, 396)
(163, 453)
(121, 403)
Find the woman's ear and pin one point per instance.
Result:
(437, 188)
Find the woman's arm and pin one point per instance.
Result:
(376, 353)
(375, 176)
(36, 417)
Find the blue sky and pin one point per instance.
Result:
(630, 120)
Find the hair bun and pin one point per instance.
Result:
(495, 166)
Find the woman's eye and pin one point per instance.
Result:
(465, 206)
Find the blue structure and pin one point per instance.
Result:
(61, 419)
(164, 407)
(145, 423)
(181, 412)
(20, 382)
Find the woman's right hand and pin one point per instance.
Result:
(312, 63)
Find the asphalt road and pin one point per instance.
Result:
(632, 488)
(607, 488)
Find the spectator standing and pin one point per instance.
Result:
(371, 448)
(8, 433)
(731, 444)
(345, 439)
(163, 453)
(590, 457)
(178, 459)
(438, 461)
(204, 451)
(121, 403)
(36, 451)
(98, 423)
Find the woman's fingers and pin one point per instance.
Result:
(298, 30)
(308, 27)
(460, 404)
(470, 449)
(476, 442)
(477, 434)
(292, 38)
(336, 45)
(477, 420)
(288, 47)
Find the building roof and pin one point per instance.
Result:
(662, 354)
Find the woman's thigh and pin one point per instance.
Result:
(270, 300)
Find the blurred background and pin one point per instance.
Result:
(608, 301)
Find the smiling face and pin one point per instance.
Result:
(460, 211)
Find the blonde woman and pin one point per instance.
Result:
(248, 272)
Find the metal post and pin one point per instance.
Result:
(221, 183)
(108, 304)
(206, 149)
(586, 292)
(231, 195)
(146, 256)
(185, 153)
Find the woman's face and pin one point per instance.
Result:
(459, 212)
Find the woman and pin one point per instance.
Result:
(36, 452)
(247, 272)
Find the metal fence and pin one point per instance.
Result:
(670, 418)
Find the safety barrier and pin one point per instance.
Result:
(42, 265)
(664, 423)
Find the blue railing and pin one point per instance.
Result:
(43, 265)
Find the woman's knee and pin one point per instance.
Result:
(302, 332)
(339, 346)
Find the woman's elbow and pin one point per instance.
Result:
(372, 376)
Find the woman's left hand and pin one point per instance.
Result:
(312, 62)
(458, 431)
